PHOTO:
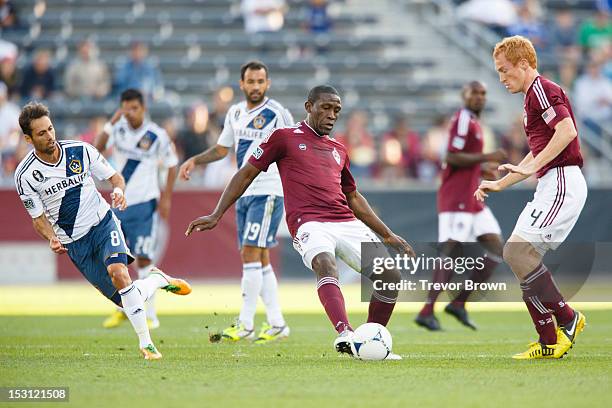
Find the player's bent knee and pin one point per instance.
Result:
(118, 271)
(324, 265)
(250, 254)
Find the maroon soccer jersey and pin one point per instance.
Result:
(459, 183)
(314, 171)
(546, 105)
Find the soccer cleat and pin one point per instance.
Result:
(237, 332)
(460, 314)
(344, 343)
(430, 322)
(151, 353)
(270, 333)
(393, 356)
(566, 335)
(175, 285)
(152, 324)
(538, 350)
(114, 320)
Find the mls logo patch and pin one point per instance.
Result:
(75, 166)
(302, 146)
(336, 156)
(38, 176)
(258, 152)
(29, 204)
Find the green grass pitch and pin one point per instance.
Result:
(456, 367)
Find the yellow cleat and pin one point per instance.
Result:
(566, 335)
(236, 332)
(175, 285)
(271, 333)
(538, 350)
(114, 320)
(151, 353)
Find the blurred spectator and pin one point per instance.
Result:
(95, 127)
(39, 79)
(8, 16)
(400, 151)
(9, 126)
(514, 142)
(596, 32)
(140, 72)
(8, 75)
(87, 76)
(529, 26)
(563, 41)
(433, 149)
(8, 50)
(498, 15)
(593, 96)
(195, 137)
(359, 144)
(263, 16)
(317, 19)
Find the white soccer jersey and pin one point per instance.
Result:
(246, 129)
(138, 153)
(65, 191)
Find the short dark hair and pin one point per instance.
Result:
(253, 65)
(316, 92)
(30, 112)
(131, 94)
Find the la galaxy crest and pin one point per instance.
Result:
(75, 166)
(259, 121)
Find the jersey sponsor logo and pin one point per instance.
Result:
(549, 114)
(75, 166)
(258, 152)
(302, 146)
(66, 183)
(336, 156)
(38, 176)
(29, 204)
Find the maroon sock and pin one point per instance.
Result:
(540, 315)
(478, 276)
(542, 283)
(332, 300)
(440, 275)
(380, 309)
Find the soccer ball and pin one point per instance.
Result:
(372, 342)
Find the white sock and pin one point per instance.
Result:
(143, 273)
(149, 285)
(269, 295)
(133, 306)
(251, 286)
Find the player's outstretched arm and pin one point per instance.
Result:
(460, 159)
(362, 210)
(102, 139)
(236, 187)
(487, 186)
(165, 199)
(565, 132)
(212, 154)
(43, 227)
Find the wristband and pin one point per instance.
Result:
(108, 128)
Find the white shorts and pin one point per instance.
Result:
(341, 239)
(466, 226)
(547, 220)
